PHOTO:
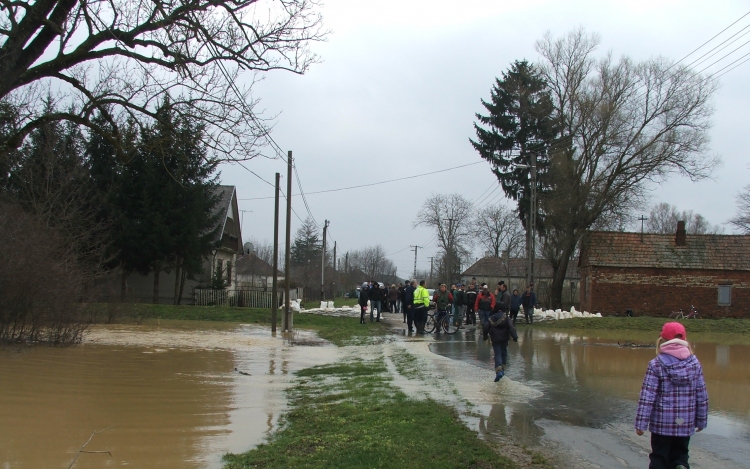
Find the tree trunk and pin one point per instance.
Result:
(558, 278)
(183, 276)
(123, 286)
(157, 271)
(177, 273)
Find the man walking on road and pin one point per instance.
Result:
(500, 329)
(485, 304)
(421, 305)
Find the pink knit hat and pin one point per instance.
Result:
(673, 329)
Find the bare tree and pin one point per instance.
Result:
(450, 216)
(499, 230)
(372, 262)
(121, 57)
(263, 250)
(624, 125)
(742, 220)
(663, 219)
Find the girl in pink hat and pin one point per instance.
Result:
(673, 402)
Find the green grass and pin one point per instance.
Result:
(735, 326)
(340, 331)
(349, 415)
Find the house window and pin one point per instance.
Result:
(229, 273)
(725, 295)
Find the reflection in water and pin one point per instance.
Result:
(588, 380)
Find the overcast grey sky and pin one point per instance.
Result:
(399, 84)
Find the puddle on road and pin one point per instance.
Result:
(584, 384)
(171, 394)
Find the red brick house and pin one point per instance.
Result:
(655, 274)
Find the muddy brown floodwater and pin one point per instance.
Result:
(184, 393)
(169, 396)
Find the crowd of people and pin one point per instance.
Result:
(497, 312)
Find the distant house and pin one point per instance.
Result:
(655, 274)
(140, 288)
(512, 271)
(254, 272)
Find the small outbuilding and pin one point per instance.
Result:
(657, 274)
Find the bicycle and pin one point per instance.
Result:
(429, 326)
(693, 314)
(677, 314)
(451, 323)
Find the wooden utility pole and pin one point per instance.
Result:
(416, 248)
(335, 271)
(431, 259)
(323, 264)
(288, 254)
(275, 305)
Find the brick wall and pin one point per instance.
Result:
(658, 292)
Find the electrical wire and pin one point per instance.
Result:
(381, 182)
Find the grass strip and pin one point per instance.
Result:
(338, 330)
(349, 415)
(735, 326)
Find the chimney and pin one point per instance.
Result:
(679, 239)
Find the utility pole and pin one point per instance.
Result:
(533, 216)
(275, 305)
(431, 258)
(642, 219)
(323, 264)
(346, 270)
(416, 248)
(449, 257)
(335, 271)
(288, 255)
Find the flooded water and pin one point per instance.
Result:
(182, 394)
(167, 396)
(586, 381)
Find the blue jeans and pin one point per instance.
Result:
(373, 306)
(501, 354)
(484, 316)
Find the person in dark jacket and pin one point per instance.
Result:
(400, 303)
(528, 300)
(443, 300)
(515, 305)
(471, 298)
(408, 304)
(485, 304)
(363, 298)
(459, 304)
(393, 298)
(500, 329)
(375, 296)
(502, 295)
(443, 303)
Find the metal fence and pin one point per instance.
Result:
(249, 298)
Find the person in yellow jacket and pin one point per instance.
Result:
(421, 306)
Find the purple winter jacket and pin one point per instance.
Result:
(673, 400)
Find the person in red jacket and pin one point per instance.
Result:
(485, 304)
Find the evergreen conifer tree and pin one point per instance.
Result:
(519, 123)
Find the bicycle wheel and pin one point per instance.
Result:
(430, 324)
(451, 324)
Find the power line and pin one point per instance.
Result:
(381, 182)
